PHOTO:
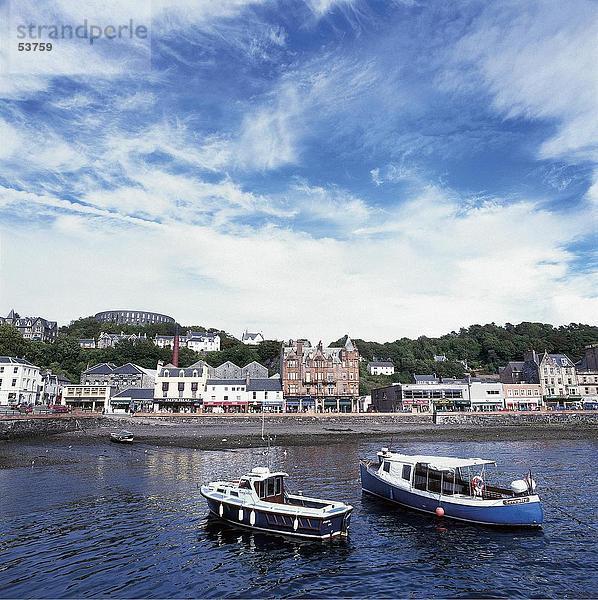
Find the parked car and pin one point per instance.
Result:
(59, 408)
(25, 408)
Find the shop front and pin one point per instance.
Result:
(226, 406)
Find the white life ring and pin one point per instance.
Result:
(221, 510)
(295, 524)
(252, 518)
(241, 514)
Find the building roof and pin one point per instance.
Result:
(16, 361)
(200, 335)
(310, 352)
(248, 335)
(381, 363)
(136, 393)
(129, 369)
(255, 385)
(86, 340)
(100, 369)
(425, 378)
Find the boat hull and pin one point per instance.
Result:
(516, 512)
(308, 527)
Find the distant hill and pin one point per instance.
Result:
(483, 347)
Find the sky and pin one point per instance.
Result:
(304, 168)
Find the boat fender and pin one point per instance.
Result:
(477, 485)
(221, 510)
(295, 524)
(252, 518)
(241, 514)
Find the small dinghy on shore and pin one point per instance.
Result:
(122, 437)
(259, 501)
(456, 488)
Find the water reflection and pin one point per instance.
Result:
(131, 522)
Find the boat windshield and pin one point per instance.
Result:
(270, 489)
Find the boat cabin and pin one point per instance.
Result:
(268, 486)
(441, 475)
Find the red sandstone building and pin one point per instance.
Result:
(318, 378)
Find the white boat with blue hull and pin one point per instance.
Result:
(456, 488)
(259, 501)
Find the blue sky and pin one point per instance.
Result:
(306, 168)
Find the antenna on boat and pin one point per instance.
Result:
(268, 437)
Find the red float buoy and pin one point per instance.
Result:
(439, 511)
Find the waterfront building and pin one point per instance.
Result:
(132, 400)
(319, 378)
(587, 374)
(252, 339)
(180, 389)
(522, 396)
(94, 398)
(132, 317)
(440, 358)
(381, 367)
(51, 388)
(484, 395)
(242, 389)
(87, 343)
(32, 328)
(556, 374)
(109, 340)
(126, 376)
(20, 381)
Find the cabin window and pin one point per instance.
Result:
(406, 472)
(386, 466)
(236, 494)
(244, 485)
(271, 487)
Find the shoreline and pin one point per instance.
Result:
(230, 433)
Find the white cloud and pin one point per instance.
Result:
(538, 60)
(269, 134)
(435, 266)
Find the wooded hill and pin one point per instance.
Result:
(483, 347)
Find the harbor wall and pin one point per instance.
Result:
(527, 419)
(25, 427)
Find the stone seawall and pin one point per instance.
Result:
(34, 426)
(470, 419)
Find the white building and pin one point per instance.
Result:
(87, 397)
(20, 381)
(252, 339)
(180, 389)
(381, 367)
(198, 341)
(202, 341)
(486, 396)
(51, 388)
(522, 396)
(587, 374)
(244, 395)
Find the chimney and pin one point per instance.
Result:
(175, 349)
(299, 346)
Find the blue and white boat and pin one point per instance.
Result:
(259, 501)
(456, 488)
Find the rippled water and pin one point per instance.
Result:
(130, 522)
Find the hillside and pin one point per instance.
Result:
(482, 347)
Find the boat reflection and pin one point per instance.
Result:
(222, 534)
